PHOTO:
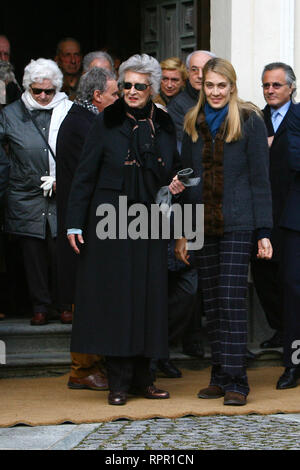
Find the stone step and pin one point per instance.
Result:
(20, 337)
(31, 351)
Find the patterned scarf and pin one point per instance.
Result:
(144, 167)
(86, 105)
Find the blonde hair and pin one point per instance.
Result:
(174, 63)
(233, 124)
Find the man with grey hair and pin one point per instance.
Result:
(9, 88)
(177, 108)
(187, 98)
(279, 86)
(99, 59)
(97, 89)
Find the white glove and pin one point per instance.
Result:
(47, 186)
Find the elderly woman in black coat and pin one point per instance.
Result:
(121, 303)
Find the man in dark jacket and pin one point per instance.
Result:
(279, 85)
(290, 224)
(186, 99)
(97, 89)
(177, 108)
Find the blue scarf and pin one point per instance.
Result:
(214, 117)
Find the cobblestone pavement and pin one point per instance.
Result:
(250, 432)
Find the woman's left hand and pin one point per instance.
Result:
(181, 252)
(176, 187)
(265, 250)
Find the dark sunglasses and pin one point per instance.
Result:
(39, 91)
(275, 85)
(137, 86)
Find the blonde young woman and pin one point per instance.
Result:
(225, 142)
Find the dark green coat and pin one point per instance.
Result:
(26, 209)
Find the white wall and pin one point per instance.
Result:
(252, 33)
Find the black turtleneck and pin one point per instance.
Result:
(192, 91)
(139, 113)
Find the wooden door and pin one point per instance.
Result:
(171, 27)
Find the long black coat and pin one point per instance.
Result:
(121, 297)
(70, 141)
(281, 176)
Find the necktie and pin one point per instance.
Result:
(275, 120)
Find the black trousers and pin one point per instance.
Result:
(291, 273)
(126, 372)
(182, 301)
(268, 282)
(40, 268)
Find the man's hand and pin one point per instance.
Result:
(72, 240)
(270, 140)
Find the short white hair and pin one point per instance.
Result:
(143, 64)
(42, 69)
(188, 59)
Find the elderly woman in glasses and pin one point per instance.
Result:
(121, 302)
(30, 126)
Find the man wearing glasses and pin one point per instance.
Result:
(186, 99)
(279, 86)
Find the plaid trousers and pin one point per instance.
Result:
(223, 272)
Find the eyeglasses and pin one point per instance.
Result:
(39, 91)
(137, 86)
(275, 85)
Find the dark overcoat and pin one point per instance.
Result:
(290, 222)
(281, 176)
(246, 193)
(70, 141)
(121, 296)
(290, 218)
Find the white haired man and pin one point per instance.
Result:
(187, 98)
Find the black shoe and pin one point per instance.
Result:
(117, 398)
(275, 342)
(195, 349)
(289, 378)
(168, 369)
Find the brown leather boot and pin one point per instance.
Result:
(212, 391)
(235, 399)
